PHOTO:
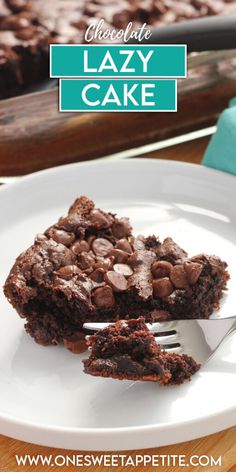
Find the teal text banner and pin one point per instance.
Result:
(117, 95)
(149, 61)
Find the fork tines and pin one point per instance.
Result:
(166, 333)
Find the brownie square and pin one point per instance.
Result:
(90, 267)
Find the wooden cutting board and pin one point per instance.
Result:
(215, 445)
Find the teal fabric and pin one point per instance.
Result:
(221, 151)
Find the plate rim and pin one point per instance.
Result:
(105, 161)
(34, 432)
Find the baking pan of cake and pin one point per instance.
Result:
(28, 27)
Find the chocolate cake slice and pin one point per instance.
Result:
(89, 267)
(128, 351)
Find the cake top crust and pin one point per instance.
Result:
(92, 257)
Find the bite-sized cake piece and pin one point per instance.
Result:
(127, 350)
(89, 267)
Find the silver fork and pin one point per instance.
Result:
(197, 338)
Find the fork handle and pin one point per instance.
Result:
(232, 329)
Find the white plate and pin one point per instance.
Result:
(44, 396)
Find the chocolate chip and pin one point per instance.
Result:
(98, 275)
(214, 7)
(102, 246)
(123, 269)
(25, 34)
(134, 261)
(40, 238)
(169, 17)
(90, 239)
(124, 245)
(22, 22)
(121, 228)
(14, 22)
(184, 10)
(103, 297)
(121, 18)
(119, 256)
(178, 276)
(117, 281)
(161, 269)
(67, 272)
(162, 287)
(61, 236)
(86, 260)
(80, 246)
(193, 271)
(160, 7)
(99, 219)
(105, 264)
(17, 5)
